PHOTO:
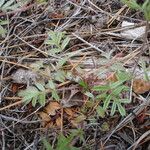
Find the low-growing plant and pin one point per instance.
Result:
(57, 40)
(113, 94)
(65, 142)
(37, 93)
(33, 94)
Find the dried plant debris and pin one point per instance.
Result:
(83, 80)
(134, 33)
(23, 76)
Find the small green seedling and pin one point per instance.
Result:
(65, 143)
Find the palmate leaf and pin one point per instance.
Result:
(107, 102)
(42, 99)
(65, 42)
(119, 89)
(113, 108)
(59, 36)
(55, 95)
(34, 101)
(101, 88)
(34, 95)
(121, 109)
(123, 75)
(116, 84)
(28, 94)
(40, 86)
(50, 85)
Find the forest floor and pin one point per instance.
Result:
(74, 74)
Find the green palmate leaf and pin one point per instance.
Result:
(60, 76)
(31, 91)
(52, 35)
(40, 86)
(34, 95)
(107, 102)
(113, 108)
(59, 35)
(51, 85)
(55, 95)
(123, 75)
(116, 84)
(83, 84)
(34, 101)
(65, 42)
(121, 109)
(119, 89)
(101, 88)
(100, 111)
(42, 99)
(102, 96)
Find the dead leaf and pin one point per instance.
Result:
(45, 118)
(59, 122)
(52, 107)
(69, 112)
(141, 86)
(16, 87)
(56, 15)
